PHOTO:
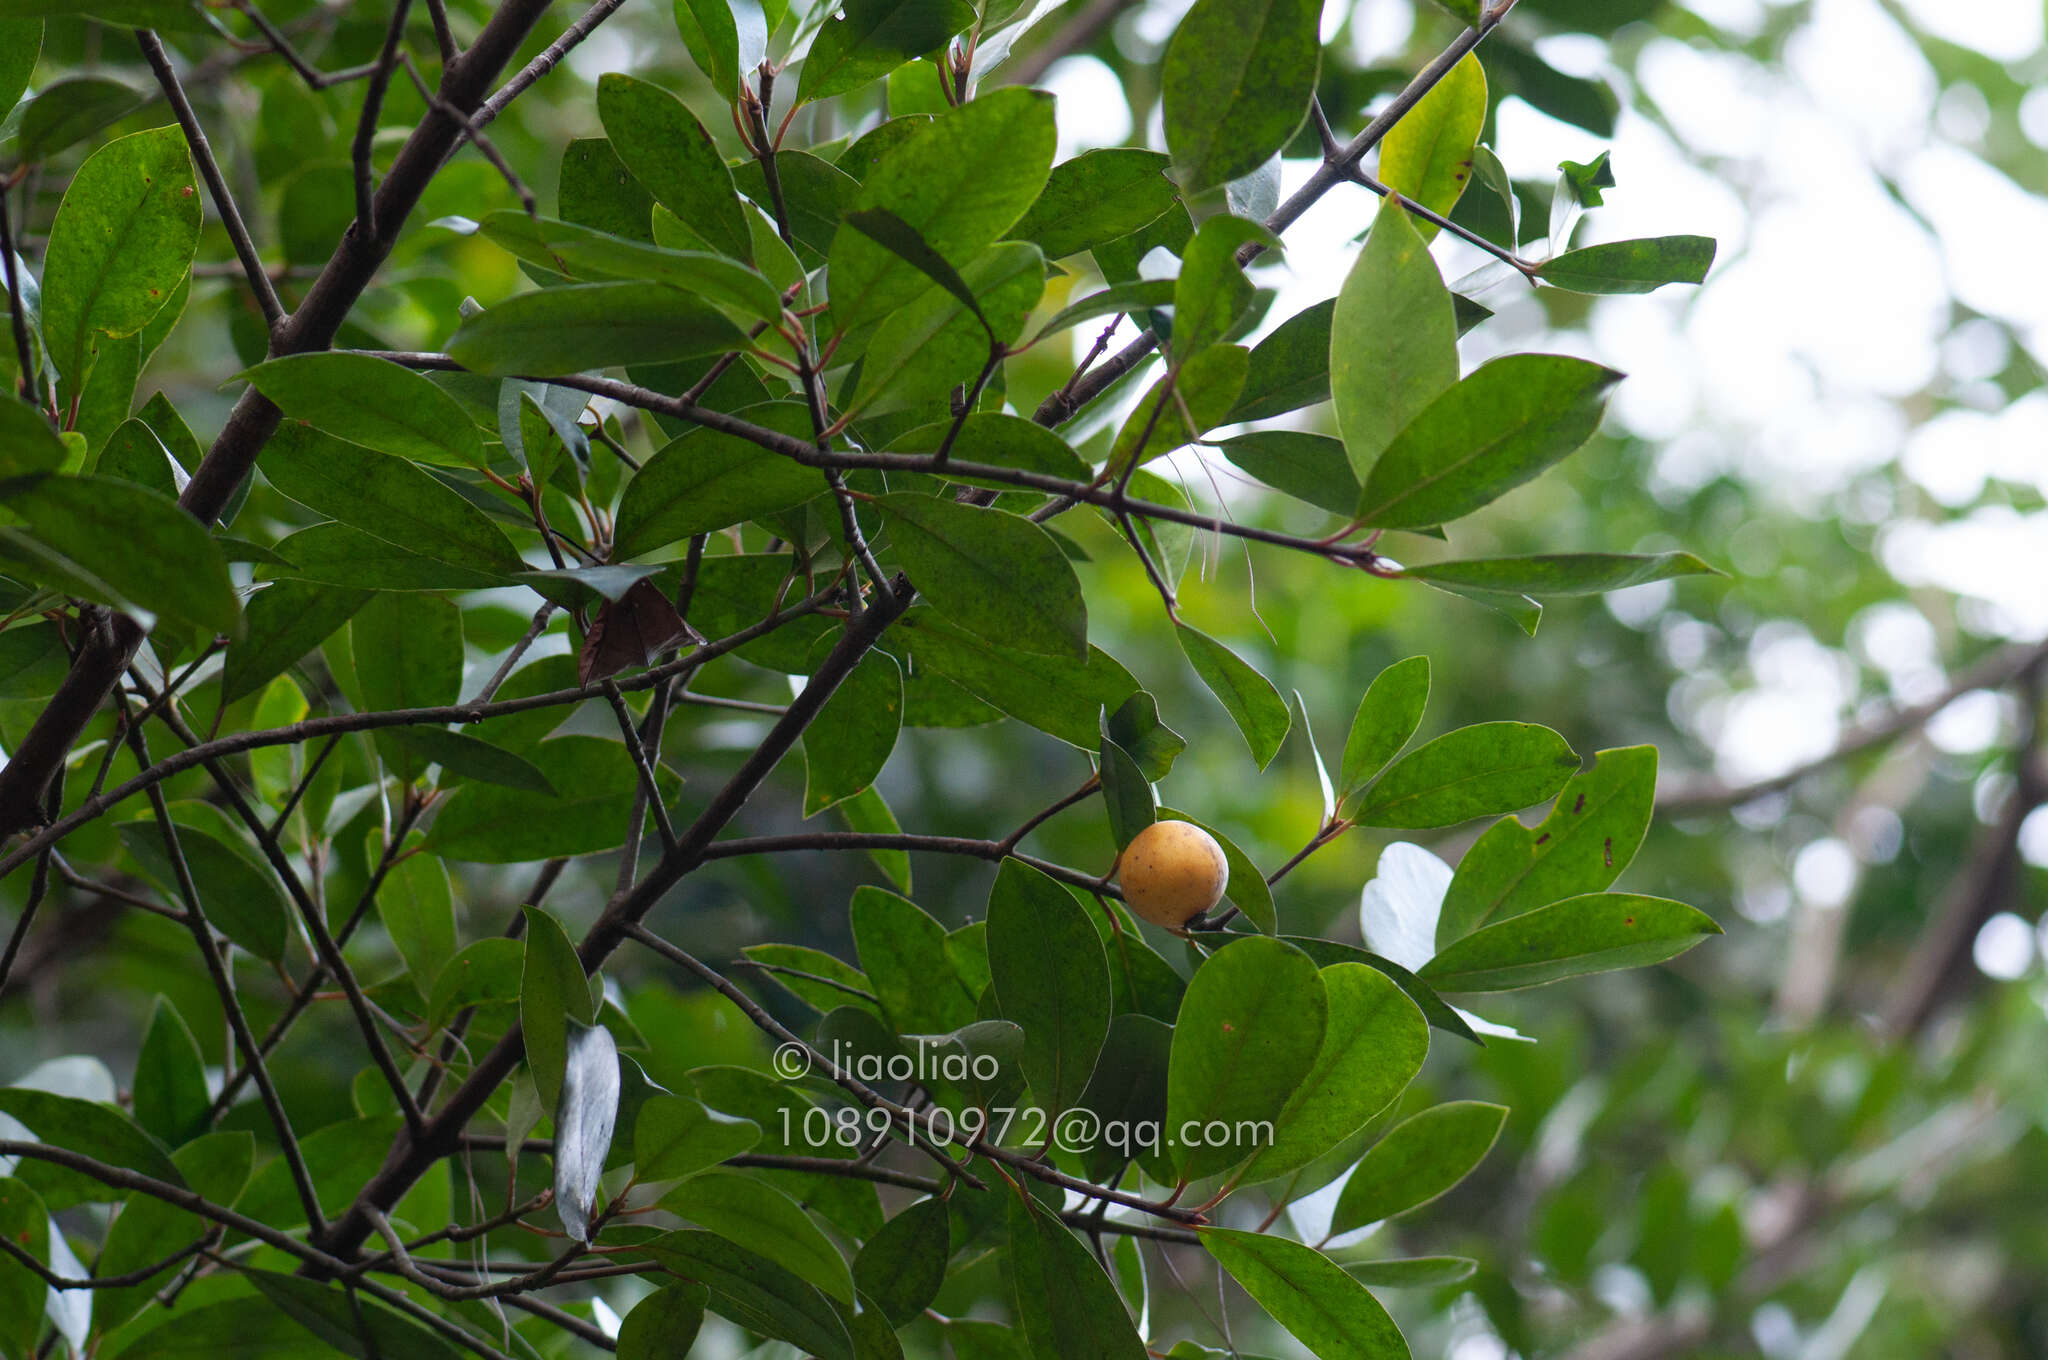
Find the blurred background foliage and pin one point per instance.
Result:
(1743, 1153)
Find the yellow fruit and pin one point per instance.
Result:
(1172, 872)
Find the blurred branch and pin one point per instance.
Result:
(1078, 32)
(274, 40)
(1999, 669)
(373, 109)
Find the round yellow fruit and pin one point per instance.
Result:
(1172, 872)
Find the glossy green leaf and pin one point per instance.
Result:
(852, 736)
(1207, 385)
(990, 571)
(903, 952)
(595, 783)
(676, 1136)
(462, 756)
(1235, 84)
(1289, 369)
(21, 45)
(240, 898)
(417, 905)
(1373, 1046)
(1419, 1158)
(28, 442)
(1051, 978)
(335, 554)
(1135, 726)
(27, 1225)
(1310, 467)
(1640, 266)
(1309, 1295)
(1411, 1272)
(1505, 423)
(553, 991)
(354, 1326)
(672, 155)
(171, 1101)
(121, 244)
(960, 182)
(866, 39)
(815, 194)
(1055, 694)
(407, 649)
(1594, 933)
(386, 496)
(1476, 771)
(1212, 290)
(1126, 794)
(1563, 573)
(591, 325)
(283, 622)
(585, 253)
(148, 1229)
(1594, 830)
(707, 480)
(755, 1292)
(133, 453)
(1250, 1027)
(139, 544)
(89, 1128)
(902, 1266)
(1112, 301)
(1393, 339)
(1427, 156)
(1067, 1306)
(1095, 198)
(372, 402)
(171, 15)
(1249, 697)
(486, 971)
(1387, 717)
(735, 1205)
(996, 439)
(664, 1324)
(934, 343)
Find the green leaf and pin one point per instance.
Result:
(386, 496)
(148, 1229)
(177, 15)
(171, 1099)
(28, 442)
(903, 952)
(672, 155)
(373, 402)
(1310, 467)
(1507, 422)
(815, 193)
(240, 898)
(1520, 610)
(1563, 573)
(1126, 795)
(21, 46)
(1116, 299)
(1288, 369)
(133, 453)
(1250, 698)
(1235, 84)
(864, 40)
(137, 543)
(352, 1325)
(1247, 887)
(996, 439)
(490, 824)
(1373, 1046)
(91, 1129)
(586, 253)
(1051, 978)
(1055, 694)
(559, 331)
(990, 571)
(1412, 1272)
(336, 555)
(553, 990)
(1208, 384)
(1476, 771)
(935, 343)
(1067, 1306)
(27, 1225)
(121, 243)
(1427, 156)
(1393, 340)
(408, 654)
(417, 905)
(465, 757)
(735, 1205)
(1420, 1158)
(868, 813)
(725, 40)
(1095, 198)
(1387, 717)
(902, 1266)
(1212, 290)
(959, 181)
(1308, 1294)
(852, 736)
(1589, 837)
(486, 971)
(1250, 1027)
(664, 1324)
(708, 480)
(1151, 744)
(676, 1136)
(1595, 933)
(1585, 181)
(755, 1292)
(1640, 266)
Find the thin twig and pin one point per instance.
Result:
(366, 124)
